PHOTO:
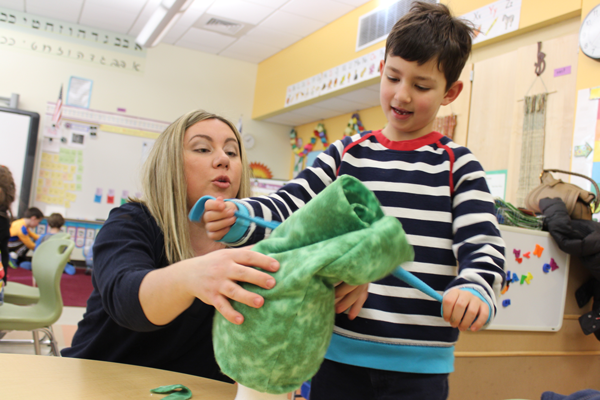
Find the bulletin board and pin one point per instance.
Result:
(537, 272)
(91, 162)
(18, 138)
(496, 116)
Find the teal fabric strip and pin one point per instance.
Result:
(391, 357)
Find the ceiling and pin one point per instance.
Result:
(269, 27)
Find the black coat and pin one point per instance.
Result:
(577, 237)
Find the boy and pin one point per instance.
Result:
(21, 237)
(55, 222)
(398, 346)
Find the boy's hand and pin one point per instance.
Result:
(218, 217)
(349, 296)
(462, 309)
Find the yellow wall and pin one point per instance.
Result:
(330, 46)
(335, 44)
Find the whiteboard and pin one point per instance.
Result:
(538, 305)
(18, 139)
(92, 162)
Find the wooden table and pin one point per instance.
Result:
(46, 377)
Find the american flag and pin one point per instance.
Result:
(58, 109)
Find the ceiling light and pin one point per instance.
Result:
(161, 21)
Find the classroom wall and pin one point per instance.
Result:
(176, 80)
(335, 44)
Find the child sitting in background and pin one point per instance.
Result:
(21, 237)
(55, 222)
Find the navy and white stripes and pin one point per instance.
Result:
(437, 189)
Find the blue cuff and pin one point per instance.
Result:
(476, 293)
(237, 230)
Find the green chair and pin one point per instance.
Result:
(48, 263)
(17, 293)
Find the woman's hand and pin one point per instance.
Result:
(349, 296)
(214, 279)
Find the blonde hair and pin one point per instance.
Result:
(165, 188)
(7, 191)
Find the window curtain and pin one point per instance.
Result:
(532, 145)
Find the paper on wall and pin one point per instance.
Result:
(584, 136)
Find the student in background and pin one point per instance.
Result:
(7, 196)
(398, 346)
(157, 277)
(21, 236)
(55, 222)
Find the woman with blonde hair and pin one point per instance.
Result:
(7, 196)
(157, 276)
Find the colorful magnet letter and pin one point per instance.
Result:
(506, 303)
(546, 268)
(523, 277)
(519, 260)
(527, 255)
(528, 278)
(538, 251)
(515, 277)
(553, 265)
(517, 253)
(504, 289)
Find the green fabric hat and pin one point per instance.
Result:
(340, 235)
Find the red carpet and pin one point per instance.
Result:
(75, 289)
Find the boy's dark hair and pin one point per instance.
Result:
(33, 212)
(428, 32)
(55, 220)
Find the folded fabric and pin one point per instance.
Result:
(340, 235)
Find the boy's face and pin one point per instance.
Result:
(410, 96)
(33, 222)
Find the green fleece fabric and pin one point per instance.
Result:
(340, 235)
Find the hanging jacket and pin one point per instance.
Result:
(578, 237)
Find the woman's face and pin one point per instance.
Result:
(212, 161)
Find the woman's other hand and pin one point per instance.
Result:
(214, 279)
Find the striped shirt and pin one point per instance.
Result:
(437, 189)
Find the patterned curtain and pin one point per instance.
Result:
(532, 145)
(445, 125)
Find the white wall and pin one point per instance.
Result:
(175, 81)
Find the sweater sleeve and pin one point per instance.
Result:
(21, 231)
(477, 244)
(280, 205)
(124, 252)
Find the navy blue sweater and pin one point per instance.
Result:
(437, 189)
(114, 327)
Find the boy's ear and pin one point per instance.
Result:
(381, 65)
(452, 93)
